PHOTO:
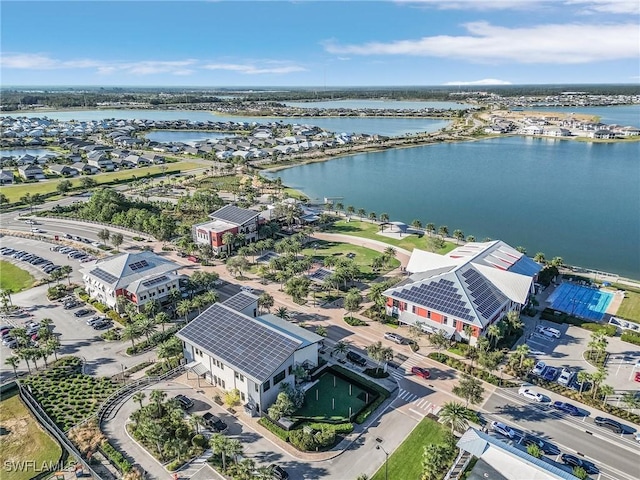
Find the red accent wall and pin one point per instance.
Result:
(422, 312)
(436, 317)
(389, 302)
(216, 237)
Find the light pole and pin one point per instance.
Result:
(386, 460)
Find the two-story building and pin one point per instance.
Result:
(138, 277)
(228, 219)
(473, 286)
(232, 348)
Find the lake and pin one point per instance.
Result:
(184, 136)
(576, 200)
(18, 152)
(380, 105)
(626, 115)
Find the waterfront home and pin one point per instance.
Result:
(231, 348)
(228, 219)
(473, 286)
(26, 159)
(31, 172)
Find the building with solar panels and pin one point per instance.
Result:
(227, 219)
(138, 277)
(474, 286)
(232, 348)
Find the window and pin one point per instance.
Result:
(428, 313)
(413, 309)
(256, 385)
(242, 397)
(290, 369)
(445, 320)
(239, 376)
(198, 352)
(279, 377)
(455, 323)
(266, 385)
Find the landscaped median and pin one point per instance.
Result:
(473, 371)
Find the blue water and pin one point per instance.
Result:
(626, 115)
(185, 136)
(582, 302)
(379, 104)
(576, 200)
(370, 125)
(17, 152)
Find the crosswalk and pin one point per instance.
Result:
(417, 404)
(400, 372)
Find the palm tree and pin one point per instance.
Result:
(196, 421)
(265, 301)
(372, 216)
(25, 354)
(605, 391)
(582, 378)
(495, 333)
(151, 308)
(283, 313)
(597, 378)
(430, 228)
(157, 397)
(417, 224)
(341, 347)
(362, 212)
(139, 397)
(539, 257)
(184, 308)
(131, 332)
(218, 444)
(54, 344)
(350, 210)
(443, 231)
(13, 361)
(66, 271)
(521, 353)
(234, 448)
(458, 235)
(380, 353)
(456, 415)
(162, 318)
(384, 218)
(146, 326)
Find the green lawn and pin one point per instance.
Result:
(630, 308)
(406, 461)
(14, 192)
(370, 230)
(24, 441)
(363, 256)
(327, 400)
(13, 278)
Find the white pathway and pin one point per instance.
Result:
(418, 405)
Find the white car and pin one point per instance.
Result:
(502, 429)
(565, 377)
(539, 368)
(530, 394)
(548, 331)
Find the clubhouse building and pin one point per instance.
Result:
(228, 219)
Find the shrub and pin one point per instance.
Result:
(376, 373)
(275, 429)
(115, 316)
(154, 340)
(199, 441)
(111, 334)
(175, 465)
(115, 457)
(609, 330)
(473, 371)
(355, 322)
(302, 440)
(631, 337)
(101, 307)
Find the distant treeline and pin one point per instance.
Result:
(91, 97)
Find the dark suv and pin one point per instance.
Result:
(184, 402)
(278, 472)
(615, 427)
(356, 358)
(214, 423)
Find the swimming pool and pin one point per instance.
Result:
(579, 301)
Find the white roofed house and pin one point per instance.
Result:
(138, 277)
(474, 285)
(231, 348)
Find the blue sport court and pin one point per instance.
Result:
(581, 302)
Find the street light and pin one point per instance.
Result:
(386, 460)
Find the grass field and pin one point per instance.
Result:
(363, 256)
(13, 278)
(406, 461)
(630, 307)
(23, 440)
(370, 230)
(14, 192)
(327, 400)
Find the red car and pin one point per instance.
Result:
(422, 372)
(637, 377)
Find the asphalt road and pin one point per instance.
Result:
(616, 456)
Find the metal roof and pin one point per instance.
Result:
(125, 268)
(243, 343)
(240, 301)
(233, 214)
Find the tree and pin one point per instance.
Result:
(162, 318)
(434, 461)
(184, 308)
(341, 347)
(597, 378)
(534, 450)
(470, 389)
(146, 325)
(439, 340)
(3, 200)
(605, 391)
(218, 443)
(380, 353)
(495, 332)
(228, 239)
(557, 262)
(443, 231)
(458, 235)
(298, 288)
(64, 186)
(265, 301)
(232, 398)
(456, 415)
(539, 257)
(234, 449)
(430, 228)
(283, 313)
(13, 362)
(139, 397)
(66, 270)
(580, 473)
(362, 212)
(117, 239)
(25, 354)
(321, 330)
(417, 224)
(520, 353)
(372, 216)
(104, 235)
(157, 397)
(131, 331)
(631, 400)
(583, 377)
(86, 182)
(384, 218)
(282, 407)
(352, 301)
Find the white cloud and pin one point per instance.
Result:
(624, 7)
(584, 6)
(27, 61)
(486, 43)
(484, 81)
(249, 69)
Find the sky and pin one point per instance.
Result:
(319, 43)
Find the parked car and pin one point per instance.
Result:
(539, 368)
(547, 448)
(246, 288)
(565, 376)
(214, 423)
(278, 472)
(566, 408)
(71, 304)
(420, 372)
(530, 394)
(95, 319)
(394, 337)
(548, 331)
(610, 423)
(502, 429)
(637, 377)
(82, 312)
(550, 374)
(184, 402)
(101, 325)
(10, 342)
(574, 461)
(356, 358)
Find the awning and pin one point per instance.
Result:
(427, 325)
(197, 368)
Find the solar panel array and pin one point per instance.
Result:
(233, 214)
(239, 341)
(240, 301)
(138, 265)
(320, 275)
(441, 295)
(155, 281)
(485, 298)
(104, 276)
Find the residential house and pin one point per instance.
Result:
(63, 170)
(31, 172)
(137, 277)
(6, 177)
(102, 162)
(85, 168)
(473, 286)
(231, 348)
(230, 219)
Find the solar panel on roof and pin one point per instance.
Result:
(239, 301)
(104, 276)
(440, 295)
(138, 265)
(233, 214)
(154, 281)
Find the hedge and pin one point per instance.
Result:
(631, 337)
(115, 457)
(175, 465)
(473, 371)
(609, 330)
(355, 322)
(548, 314)
(115, 316)
(155, 339)
(279, 432)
